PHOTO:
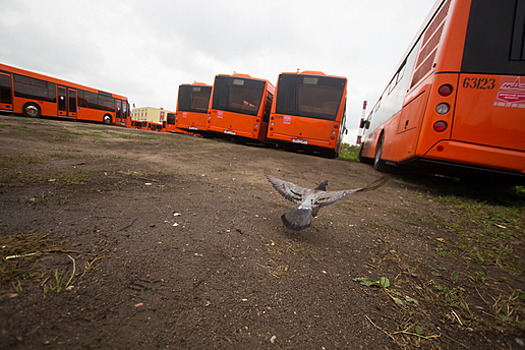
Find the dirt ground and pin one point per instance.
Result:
(132, 239)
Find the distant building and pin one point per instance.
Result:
(157, 115)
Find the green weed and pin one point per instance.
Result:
(349, 152)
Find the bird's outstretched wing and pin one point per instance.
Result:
(329, 197)
(290, 191)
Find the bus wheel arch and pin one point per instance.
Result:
(107, 119)
(379, 164)
(31, 110)
(364, 159)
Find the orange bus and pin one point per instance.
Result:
(33, 95)
(139, 124)
(240, 106)
(456, 103)
(309, 112)
(156, 126)
(171, 121)
(192, 108)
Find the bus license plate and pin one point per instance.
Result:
(302, 142)
(193, 128)
(229, 132)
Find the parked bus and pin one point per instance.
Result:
(309, 112)
(456, 103)
(33, 95)
(171, 124)
(156, 126)
(240, 106)
(192, 107)
(139, 124)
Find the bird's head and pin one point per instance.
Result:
(322, 185)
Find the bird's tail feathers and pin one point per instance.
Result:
(376, 184)
(297, 219)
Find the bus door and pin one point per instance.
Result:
(119, 116)
(72, 103)
(6, 100)
(124, 112)
(67, 102)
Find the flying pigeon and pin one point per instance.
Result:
(311, 200)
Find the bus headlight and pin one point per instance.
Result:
(442, 108)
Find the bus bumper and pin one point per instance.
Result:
(464, 160)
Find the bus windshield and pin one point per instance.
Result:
(309, 96)
(237, 95)
(194, 98)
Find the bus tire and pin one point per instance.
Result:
(361, 158)
(107, 119)
(379, 164)
(331, 153)
(31, 110)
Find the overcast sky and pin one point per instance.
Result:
(145, 49)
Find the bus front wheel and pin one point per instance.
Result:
(107, 119)
(31, 110)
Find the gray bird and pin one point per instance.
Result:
(311, 200)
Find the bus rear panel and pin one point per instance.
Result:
(240, 107)
(309, 111)
(192, 107)
(464, 112)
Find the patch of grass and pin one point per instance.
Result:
(278, 264)
(349, 152)
(132, 136)
(221, 169)
(60, 281)
(10, 162)
(18, 256)
(68, 155)
(70, 179)
(22, 263)
(487, 232)
(59, 138)
(73, 133)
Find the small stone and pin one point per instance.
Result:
(272, 339)
(520, 341)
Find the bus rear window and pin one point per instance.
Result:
(493, 44)
(314, 97)
(194, 98)
(237, 95)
